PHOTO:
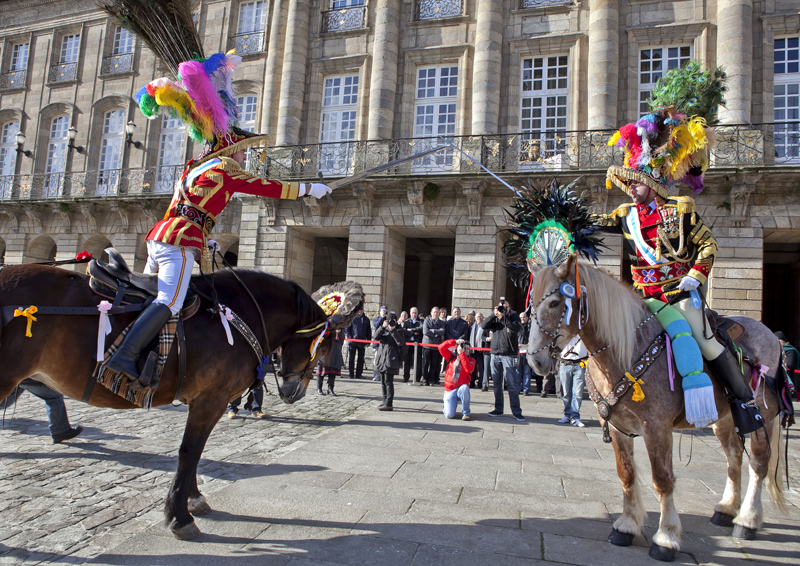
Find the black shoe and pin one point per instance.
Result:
(385, 408)
(71, 433)
(330, 392)
(139, 336)
(495, 413)
(320, 391)
(543, 395)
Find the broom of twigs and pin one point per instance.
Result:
(165, 26)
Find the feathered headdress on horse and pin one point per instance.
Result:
(548, 225)
(671, 144)
(201, 94)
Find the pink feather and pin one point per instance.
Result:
(205, 96)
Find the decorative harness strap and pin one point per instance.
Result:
(631, 380)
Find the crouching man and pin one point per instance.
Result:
(456, 377)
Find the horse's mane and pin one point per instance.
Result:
(308, 311)
(614, 311)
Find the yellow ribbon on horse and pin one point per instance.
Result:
(27, 313)
(638, 394)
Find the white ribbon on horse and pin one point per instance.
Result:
(568, 291)
(103, 329)
(225, 315)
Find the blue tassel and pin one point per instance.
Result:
(260, 368)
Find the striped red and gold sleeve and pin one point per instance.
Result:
(236, 180)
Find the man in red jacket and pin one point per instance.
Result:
(456, 377)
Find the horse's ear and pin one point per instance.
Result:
(566, 269)
(533, 267)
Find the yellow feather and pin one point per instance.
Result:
(614, 139)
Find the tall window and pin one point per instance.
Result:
(170, 153)
(56, 155)
(338, 124)
(8, 157)
(338, 4)
(70, 47)
(252, 22)
(435, 112)
(110, 151)
(653, 63)
(246, 106)
(19, 57)
(543, 112)
(787, 99)
(123, 41)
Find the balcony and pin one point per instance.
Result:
(248, 43)
(344, 19)
(543, 3)
(516, 155)
(12, 80)
(436, 9)
(117, 64)
(63, 72)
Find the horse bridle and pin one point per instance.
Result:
(555, 335)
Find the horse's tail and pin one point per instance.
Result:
(777, 462)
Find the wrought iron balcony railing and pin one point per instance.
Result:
(63, 72)
(543, 3)
(343, 19)
(12, 79)
(435, 9)
(248, 43)
(119, 63)
(753, 145)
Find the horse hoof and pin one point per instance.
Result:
(199, 506)
(662, 553)
(186, 532)
(744, 533)
(722, 519)
(618, 538)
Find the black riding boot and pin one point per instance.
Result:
(139, 336)
(746, 415)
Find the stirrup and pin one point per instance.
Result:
(746, 416)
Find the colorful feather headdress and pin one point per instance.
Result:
(202, 93)
(671, 144)
(547, 225)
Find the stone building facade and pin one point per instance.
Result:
(529, 88)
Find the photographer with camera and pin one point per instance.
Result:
(505, 325)
(389, 356)
(456, 377)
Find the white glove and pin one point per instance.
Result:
(316, 190)
(213, 246)
(688, 284)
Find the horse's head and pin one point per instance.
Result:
(550, 331)
(296, 362)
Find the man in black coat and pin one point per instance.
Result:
(505, 325)
(432, 333)
(359, 329)
(412, 328)
(456, 328)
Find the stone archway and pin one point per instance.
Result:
(41, 248)
(96, 245)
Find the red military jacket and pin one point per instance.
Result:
(208, 189)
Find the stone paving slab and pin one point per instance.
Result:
(400, 488)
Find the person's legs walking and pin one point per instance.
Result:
(512, 383)
(497, 380)
(360, 364)
(487, 370)
(578, 380)
(351, 360)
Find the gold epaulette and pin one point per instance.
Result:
(685, 205)
(229, 165)
(623, 210)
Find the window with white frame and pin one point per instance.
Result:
(435, 112)
(339, 4)
(70, 47)
(543, 110)
(123, 41)
(246, 105)
(654, 62)
(19, 57)
(786, 101)
(338, 124)
(252, 16)
(111, 143)
(56, 155)
(8, 156)
(170, 153)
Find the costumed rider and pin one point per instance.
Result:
(672, 249)
(203, 98)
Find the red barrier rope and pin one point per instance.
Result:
(412, 344)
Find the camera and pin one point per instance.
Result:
(501, 307)
(392, 318)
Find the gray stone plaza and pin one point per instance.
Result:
(332, 481)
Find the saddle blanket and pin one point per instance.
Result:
(120, 384)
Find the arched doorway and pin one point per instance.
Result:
(42, 248)
(96, 246)
(330, 261)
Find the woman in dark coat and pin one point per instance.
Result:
(388, 358)
(331, 364)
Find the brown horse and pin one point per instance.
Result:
(62, 348)
(615, 320)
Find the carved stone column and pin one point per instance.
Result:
(603, 64)
(735, 55)
(487, 67)
(383, 86)
(293, 83)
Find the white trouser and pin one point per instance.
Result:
(710, 348)
(174, 267)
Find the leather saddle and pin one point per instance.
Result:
(723, 325)
(106, 280)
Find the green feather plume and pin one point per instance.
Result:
(691, 91)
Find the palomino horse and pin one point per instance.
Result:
(62, 347)
(615, 320)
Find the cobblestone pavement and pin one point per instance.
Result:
(87, 495)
